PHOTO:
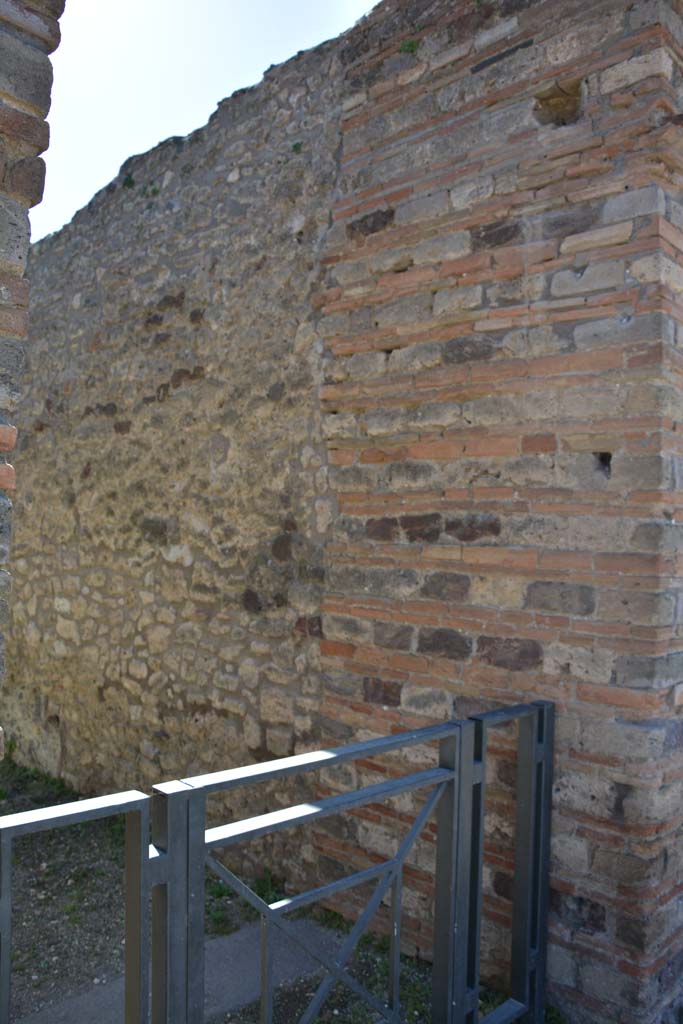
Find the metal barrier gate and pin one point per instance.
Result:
(172, 871)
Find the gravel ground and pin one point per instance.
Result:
(370, 967)
(67, 891)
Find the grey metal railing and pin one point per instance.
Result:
(171, 872)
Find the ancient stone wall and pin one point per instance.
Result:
(29, 32)
(169, 566)
(382, 365)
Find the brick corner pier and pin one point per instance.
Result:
(503, 323)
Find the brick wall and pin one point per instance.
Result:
(500, 312)
(447, 244)
(29, 32)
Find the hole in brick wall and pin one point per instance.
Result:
(603, 462)
(560, 103)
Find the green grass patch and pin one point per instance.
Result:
(31, 784)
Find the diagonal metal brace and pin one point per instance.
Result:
(337, 968)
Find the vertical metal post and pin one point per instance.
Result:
(523, 882)
(159, 964)
(266, 971)
(170, 905)
(196, 874)
(5, 926)
(137, 917)
(452, 897)
(546, 739)
(532, 857)
(469, 1013)
(446, 883)
(395, 946)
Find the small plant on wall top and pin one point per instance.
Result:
(410, 46)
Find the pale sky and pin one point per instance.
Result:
(130, 73)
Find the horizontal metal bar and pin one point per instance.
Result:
(360, 877)
(250, 828)
(503, 716)
(505, 1013)
(314, 759)
(313, 895)
(171, 788)
(72, 813)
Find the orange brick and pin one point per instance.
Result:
(13, 322)
(14, 290)
(495, 447)
(371, 456)
(539, 443)
(8, 437)
(631, 563)
(336, 649)
(436, 450)
(500, 557)
(618, 697)
(341, 457)
(8, 480)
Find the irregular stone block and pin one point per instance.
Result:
(423, 208)
(616, 234)
(469, 350)
(422, 528)
(370, 224)
(626, 74)
(444, 643)
(14, 233)
(502, 232)
(393, 635)
(453, 300)
(473, 527)
(383, 529)
(446, 586)
(25, 73)
(593, 278)
(504, 652)
(562, 598)
(639, 202)
(382, 691)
